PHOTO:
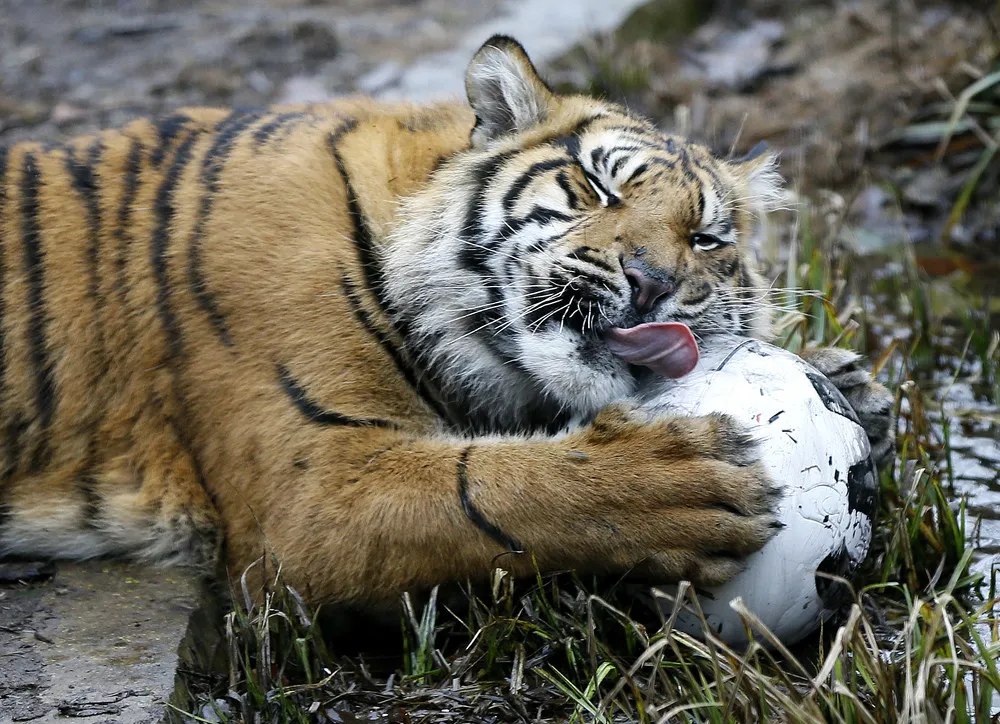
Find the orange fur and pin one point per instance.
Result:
(186, 303)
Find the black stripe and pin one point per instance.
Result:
(478, 252)
(641, 131)
(641, 168)
(263, 134)
(712, 175)
(571, 198)
(361, 234)
(665, 162)
(533, 171)
(167, 129)
(164, 210)
(583, 253)
(12, 444)
(537, 215)
(86, 485)
(133, 165)
(627, 152)
(596, 281)
(12, 453)
(697, 299)
(545, 242)
(313, 412)
(85, 182)
(409, 374)
(596, 183)
(597, 156)
(372, 270)
(34, 260)
(571, 141)
(228, 133)
(164, 213)
(689, 174)
(475, 252)
(473, 514)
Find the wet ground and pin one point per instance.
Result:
(95, 642)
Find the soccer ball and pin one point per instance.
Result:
(813, 445)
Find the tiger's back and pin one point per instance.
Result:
(157, 279)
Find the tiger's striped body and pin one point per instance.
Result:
(131, 304)
(250, 324)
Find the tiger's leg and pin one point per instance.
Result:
(872, 401)
(153, 503)
(146, 502)
(378, 513)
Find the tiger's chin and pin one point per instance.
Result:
(576, 369)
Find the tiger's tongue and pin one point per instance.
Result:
(667, 348)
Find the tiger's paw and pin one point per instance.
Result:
(872, 402)
(687, 496)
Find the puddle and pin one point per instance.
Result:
(975, 472)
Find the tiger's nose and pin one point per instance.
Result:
(647, 289)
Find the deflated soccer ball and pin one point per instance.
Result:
(813, 445)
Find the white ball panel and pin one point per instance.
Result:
(809, 449)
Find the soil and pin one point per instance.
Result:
(96, 641)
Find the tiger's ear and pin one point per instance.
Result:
(504, 90)
(760, 170)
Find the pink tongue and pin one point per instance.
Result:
(667, 348)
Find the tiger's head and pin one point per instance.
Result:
(528, 272)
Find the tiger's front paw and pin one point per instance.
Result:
(686, 497)
(872, 402)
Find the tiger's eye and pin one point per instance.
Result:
(705, 242)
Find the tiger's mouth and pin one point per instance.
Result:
(666, 348)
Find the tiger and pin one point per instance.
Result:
(370, 341)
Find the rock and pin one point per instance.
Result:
(26, 571)
(302, 89)
(930, 187)
(100, 642)
(302, 46)
(64, 114)
(380, 78)
(737, 59)
(665, 20)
